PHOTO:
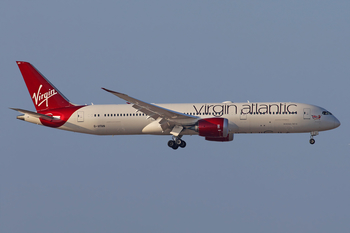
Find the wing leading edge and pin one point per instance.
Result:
(167, 118)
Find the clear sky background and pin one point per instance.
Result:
(176, 52)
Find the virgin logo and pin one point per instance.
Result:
(40, 98)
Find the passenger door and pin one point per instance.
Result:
(307, 114)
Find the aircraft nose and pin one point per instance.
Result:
(336, 122)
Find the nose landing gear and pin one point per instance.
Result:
(176, 143)
(312, 140)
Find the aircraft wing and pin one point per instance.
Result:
(156, 112)
(34, 114)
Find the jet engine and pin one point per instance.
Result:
(214, 129)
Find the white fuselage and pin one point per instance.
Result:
(279, 117)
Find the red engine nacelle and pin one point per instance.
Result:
(213, 127)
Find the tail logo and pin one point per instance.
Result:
(40, 98)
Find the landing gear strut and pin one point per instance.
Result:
(176, 143)
(312, 140)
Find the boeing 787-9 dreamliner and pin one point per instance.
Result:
(213, 121)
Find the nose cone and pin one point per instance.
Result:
(336, 122)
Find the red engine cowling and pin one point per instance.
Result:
(213, 128)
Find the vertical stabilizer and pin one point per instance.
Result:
(43, 93)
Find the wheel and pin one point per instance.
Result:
(171, 143)
(175, 146)
(178, 141)
(183, 144)
(312, 141)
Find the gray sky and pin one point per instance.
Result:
(168, 52)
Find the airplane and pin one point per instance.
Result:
(214, 121)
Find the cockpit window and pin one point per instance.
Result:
(326, 113)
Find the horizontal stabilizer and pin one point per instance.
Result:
(34, 114)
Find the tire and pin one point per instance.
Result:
(171, 143)
(183, 144)
(312, 141)
(178, 142)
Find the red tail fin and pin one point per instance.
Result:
(44, 94)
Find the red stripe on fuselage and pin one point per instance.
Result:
(63, 113)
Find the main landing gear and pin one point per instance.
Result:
(312, 140)
(176, 143)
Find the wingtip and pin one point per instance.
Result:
(105, 89)
(113, 92)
